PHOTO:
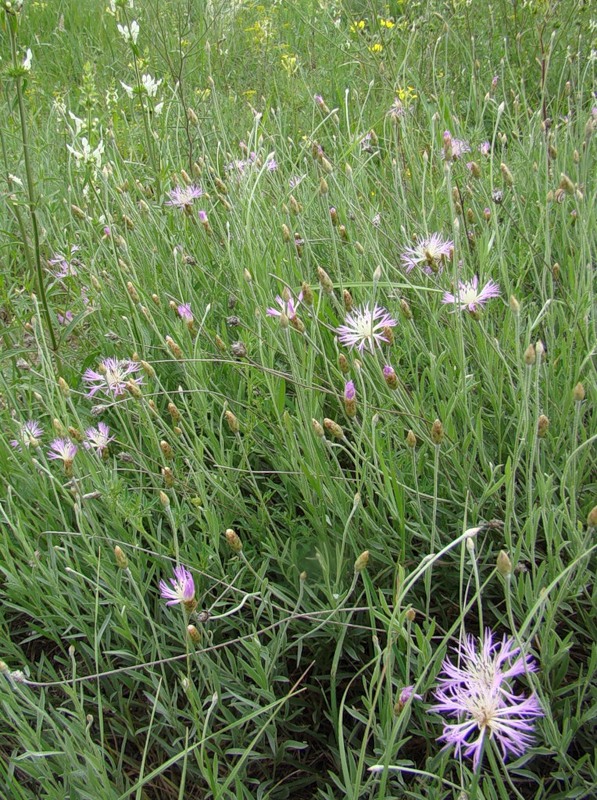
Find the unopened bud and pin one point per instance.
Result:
(122, 561)
(164, 499)
(232, 421)
(405, 309)
(542, 426)
(307, 292)
(506, 175)
(295, 206)
(233, 539)
(332, 427)
(390, 377)
(133, 389)
(578, 393)
(411, 440)
(504, 565)
(350, 400)
(343, 232)
(437, 432)
(347, 297)
(323, 187)
(410, 614)
(194, 634)
(514, 305)
(317, 428)
(530, 356)
(343, 364)
(166, 450)
(64, 387)
(132, 292)
(325, 281)
(362, 561)
(174, 412)
(592, 518)
(168, 477)
(173, 347)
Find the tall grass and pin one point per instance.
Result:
(340, 548)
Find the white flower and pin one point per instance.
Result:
(79, 123)
(27, 60)
(158, 109)
(150, 85)
(86, 154)
(129, 32)
(127, 89)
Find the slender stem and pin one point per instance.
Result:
(31, 199)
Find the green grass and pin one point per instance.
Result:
(291, 687)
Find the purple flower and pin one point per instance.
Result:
(478, 693)
(203, 217)
(295, 180)
(429, 253)
(66, 267)
(98, 438)
(469, 298)
(62, 450)
(185, 313)
(66, 318)
(484, 148)
(28, 436)
(407, 693)
(365, 327)
(288, 307)
(271, 164)
(349, 391)
(183, 590)
(111, 377)
(454, 148)
(184, 196)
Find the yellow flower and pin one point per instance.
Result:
(376, 48)
(387, 23)
(357, 26)
(289, 64)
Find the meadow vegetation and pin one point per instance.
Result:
(297, 390)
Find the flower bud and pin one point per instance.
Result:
(362, 561)
(132, 292)
(411, 440)
(307, 294)
(405, 309)
(174, 412)
(347, 297)
(410, 614)
(514, 305)
(232, 421)
(325, 281)
(173, 347)
(168, 477)
(343, 364)
(332, 427)
(164, 499)
(507, 175)
(166, 450)
(317, 429)
(542, 426)
(194, 634)
(122, 561)
(437, 432)
(233, 540)
(390, 376)
(504, 565)
(529, 356)
(592, 518)
(350, 400)
(578, 393)
(64, 387)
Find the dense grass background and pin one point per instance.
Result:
(292, 686)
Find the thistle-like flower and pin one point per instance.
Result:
(478, 693)
(63, 450)
(469, 298)
(98, 438)
(287, 307)
(28, 436)
(111, 377)
(185, 313)
(429, 253)
(184, 196)
(363, 327)
(183, 589)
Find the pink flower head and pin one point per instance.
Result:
(288, 307)
(478, 693)
(407, 693)
(98, 438)
(66, 318)
(184, 312)
(484, 148)
(62, 450)
(183, 588)
(469, 298)
(28, 435)
(271, 164)
(429, 253)
(184, 196)
(454, 148)
(203, 217)
(66, 267)
(111, 377)
(349, 391)
(363, 327)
